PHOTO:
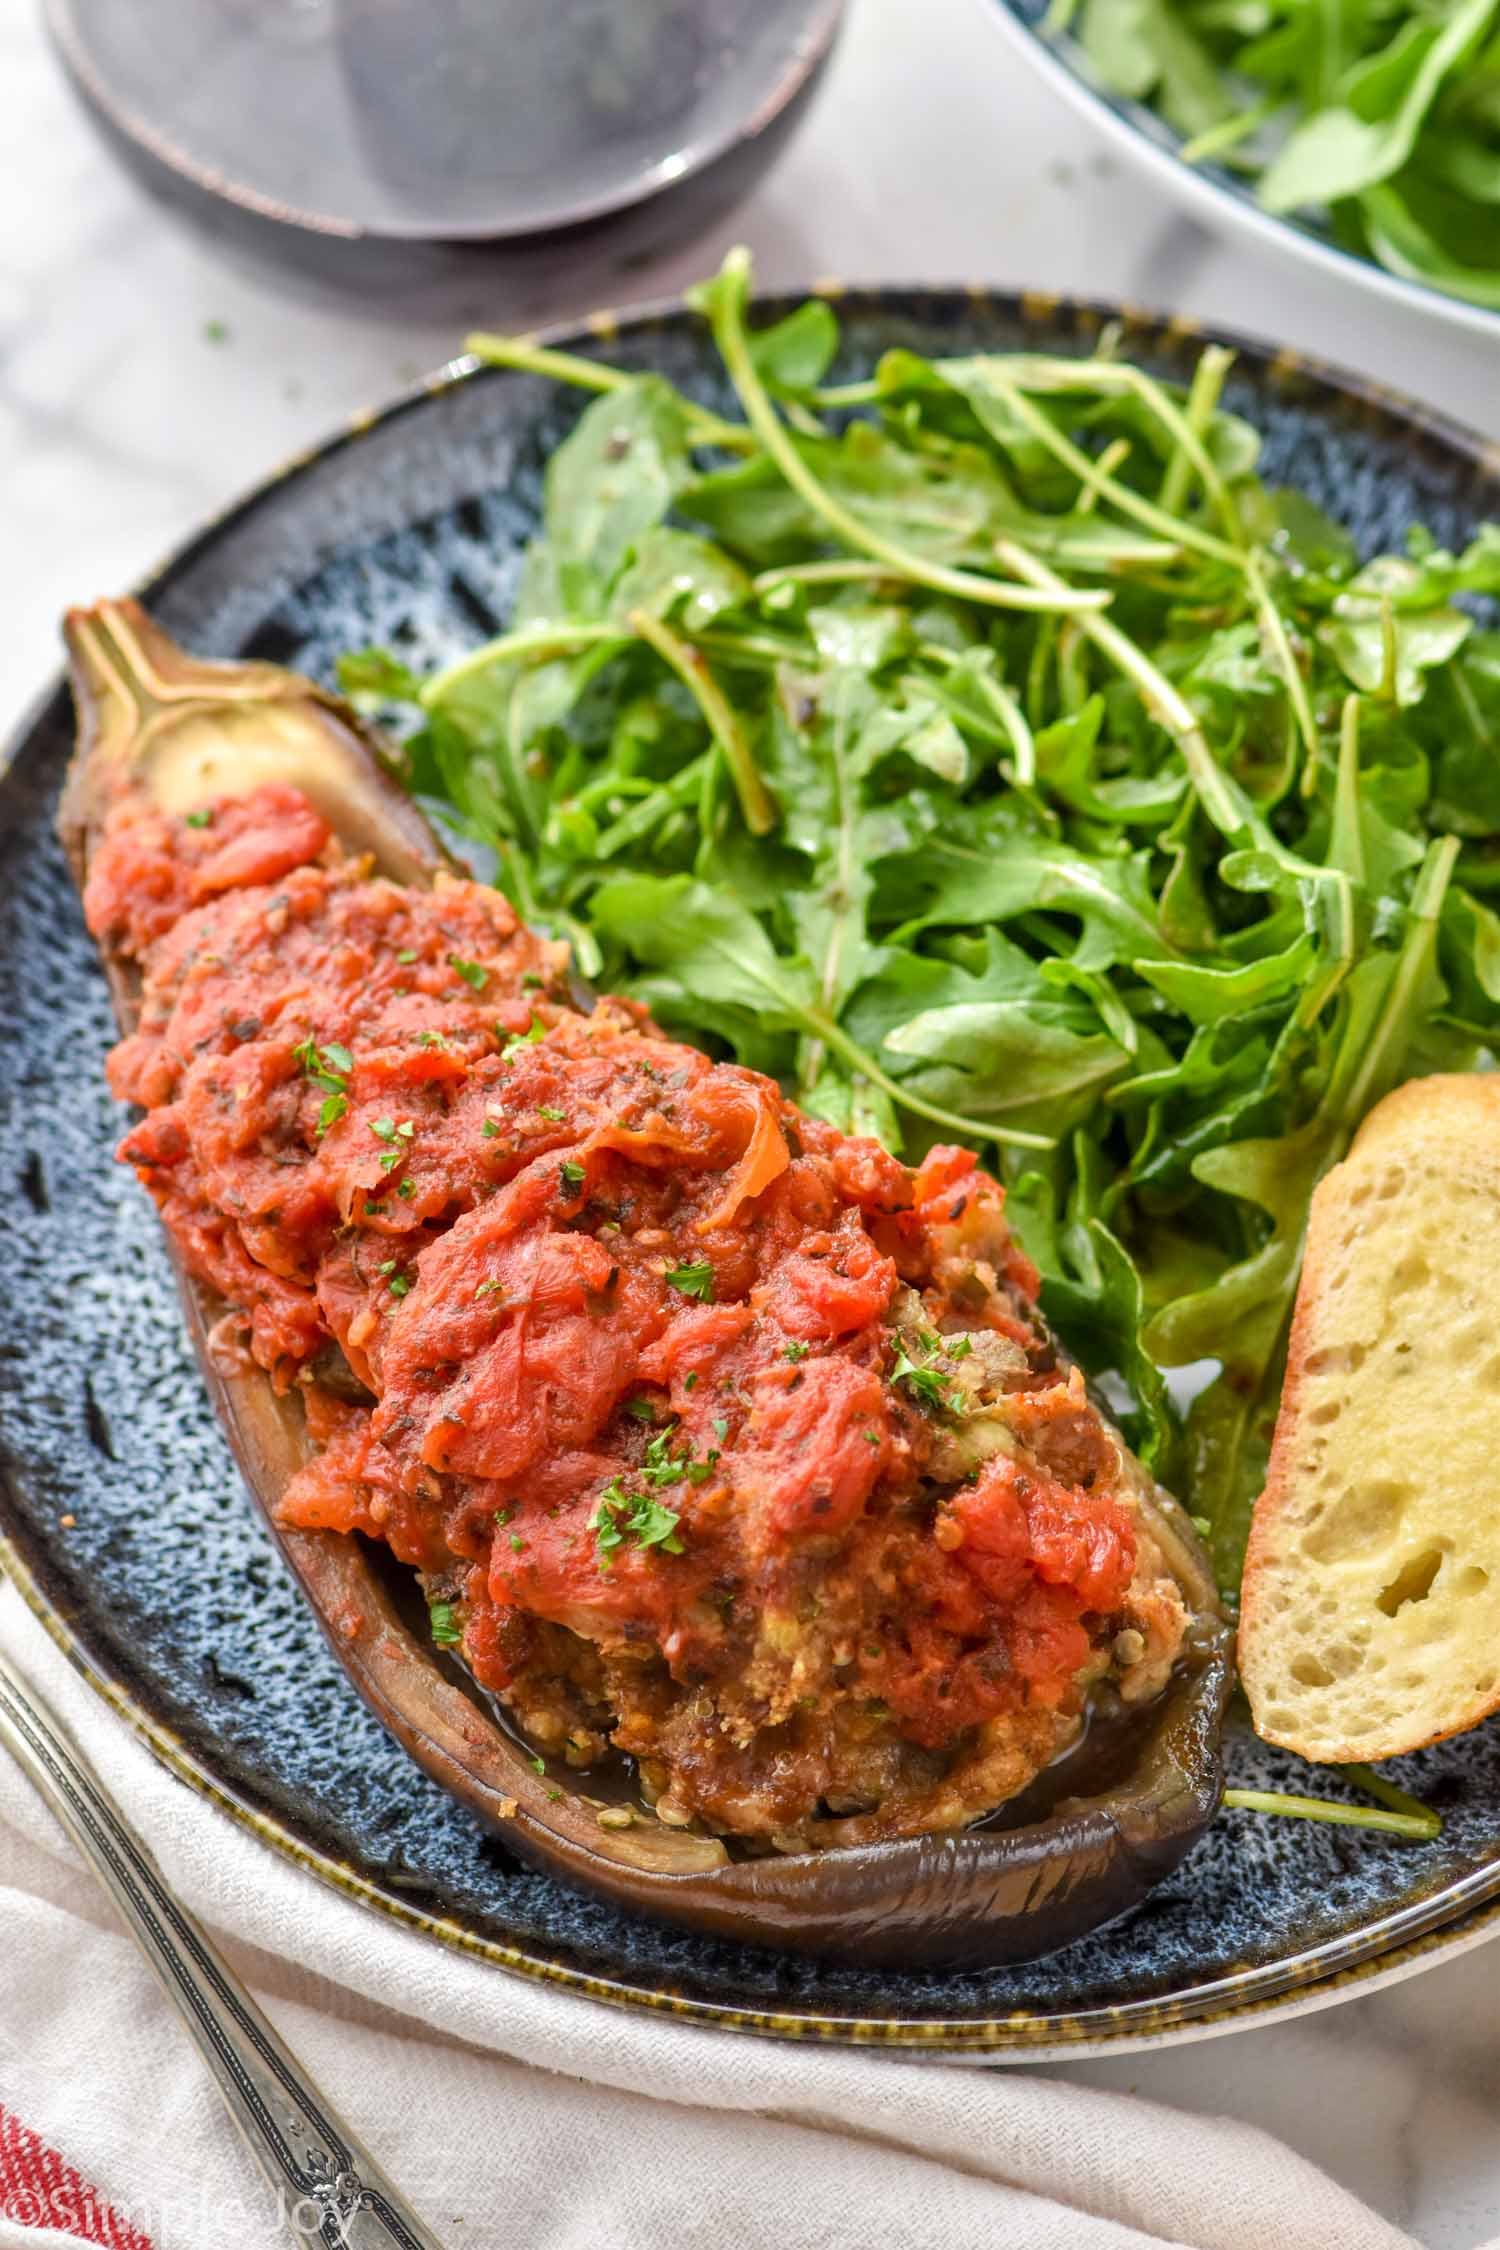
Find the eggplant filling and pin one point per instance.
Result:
(719, 1438)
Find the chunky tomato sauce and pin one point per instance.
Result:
(717, 1435)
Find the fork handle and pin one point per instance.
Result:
(329, 2188)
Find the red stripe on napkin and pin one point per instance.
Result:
(38, 2188)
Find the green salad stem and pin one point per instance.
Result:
(532, 358)
(719, 715)
(1395, 1800)
(725, 306)
(530, 644)
(1167, 706)
(1419, 1826)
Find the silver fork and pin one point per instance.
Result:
(328, 2187)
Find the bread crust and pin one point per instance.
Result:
(1442, 1125)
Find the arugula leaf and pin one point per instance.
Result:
(1383, 646)
(1381, 121)
(379, 676)
(714, 947)
(1372, 132)
(607, 484)
(1207, 995)
(794, 354)
(993, 867)
(998, 1039)
(672, 572)
(1143, 46)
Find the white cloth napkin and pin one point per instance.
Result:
(519, 2118)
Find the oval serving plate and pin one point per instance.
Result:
(1218, 196)
(121, 1516)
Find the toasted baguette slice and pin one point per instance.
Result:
(1370, 1611)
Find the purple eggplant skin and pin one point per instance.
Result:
(154, 721)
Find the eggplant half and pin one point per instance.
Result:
(1083, 1846)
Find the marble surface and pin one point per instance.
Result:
(148, 373)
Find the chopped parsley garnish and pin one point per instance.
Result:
(794, 1350)
(443, 1619)
(721, 1428)
(432, 1039)
(572, 1175)
(490, 1129)
(539, 1765)
(658, 1467)
(487, 1288)
(199, 819)
(473, 975)
(553, 1116)
(516, 1542)
(640, 1409)
(407, 1190)
(407, 955)
(515, 1040)
(927, 1384)
(690, 1380)
(531, 982)
(328, 1067)
(959, 1347)
(371, 1209)
(604, 1522)
(386, 1129)
(620, 1514)
(399, 1284)
(693, 1280)
(662, 1466)
(652, 1525)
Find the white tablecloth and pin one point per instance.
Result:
(517, 2117)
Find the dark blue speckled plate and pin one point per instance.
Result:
(1220, 196)
(121, 1514)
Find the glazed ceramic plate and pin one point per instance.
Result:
(123, 1517)
(1219, 197)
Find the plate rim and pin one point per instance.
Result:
(1122, 121)
(1392, 1947)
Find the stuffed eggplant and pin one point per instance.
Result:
(802, 1592)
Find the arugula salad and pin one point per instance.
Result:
(1382, 114)
(984, 751)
